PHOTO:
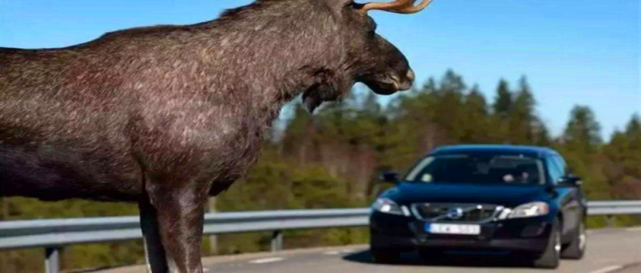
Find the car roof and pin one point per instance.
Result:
(532, 151)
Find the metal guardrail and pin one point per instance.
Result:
(55, 234)
(614, 207)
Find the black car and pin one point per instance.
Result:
(499, 199)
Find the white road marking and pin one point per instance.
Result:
(336, 252)
(267, 260)
(633, 229)
(608, 269)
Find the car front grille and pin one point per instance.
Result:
(451, 212)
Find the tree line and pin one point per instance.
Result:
(332, 160)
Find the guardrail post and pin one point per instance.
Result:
(213, 239)
(52, 259)
(277, 241)
(610, 221)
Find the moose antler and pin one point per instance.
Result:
(398, 6)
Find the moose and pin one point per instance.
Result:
(166, 116)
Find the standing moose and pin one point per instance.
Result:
(167, 116)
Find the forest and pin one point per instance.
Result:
(332, 159)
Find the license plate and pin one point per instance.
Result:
(453, 229)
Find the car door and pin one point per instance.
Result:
(570, 202)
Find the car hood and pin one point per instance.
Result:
(506, 195)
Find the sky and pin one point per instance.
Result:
(573, 52)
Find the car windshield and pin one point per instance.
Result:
(477, 169)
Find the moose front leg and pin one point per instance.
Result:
(154, 251)
(180, 217)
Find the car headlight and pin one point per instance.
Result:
(532, 209)
(386, 205)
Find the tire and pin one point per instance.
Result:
(576, 248)
(385, 256)
(552, 254)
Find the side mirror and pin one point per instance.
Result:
(570, 180)
(390, 176)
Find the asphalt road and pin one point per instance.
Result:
(608, 251)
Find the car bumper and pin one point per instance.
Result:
(517, 235)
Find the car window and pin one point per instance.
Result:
(478, 169)
(554, 170)
(561, 164)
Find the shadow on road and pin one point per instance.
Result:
(454, 260)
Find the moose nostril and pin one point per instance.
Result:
(410, 75)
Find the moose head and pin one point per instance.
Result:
(364, 55)
(382, 67)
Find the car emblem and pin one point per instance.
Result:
(454, 214)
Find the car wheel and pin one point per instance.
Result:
(385, 256)
(577, 246)
(552, 254)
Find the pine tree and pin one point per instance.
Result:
(452, 82)
(522, 117)
(429, 86)
(524, 102)
(499, 131)
(633, 152)
(580, 146)
(503, 99)
(476, 102)
(582, 130)
(622, 161)
(541, 134)
(634, 126)
(476, 115)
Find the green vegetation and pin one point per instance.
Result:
(332, 160)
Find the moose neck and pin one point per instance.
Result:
(276, 57)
